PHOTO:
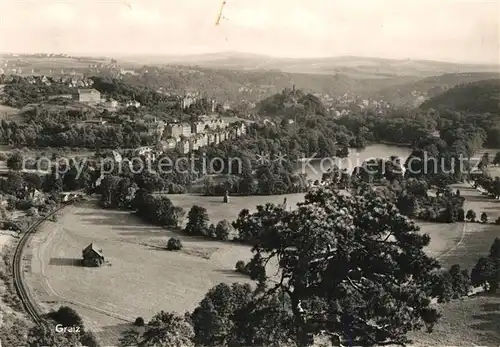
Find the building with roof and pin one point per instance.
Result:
(177, 130)
(87, 96)
(92, 256)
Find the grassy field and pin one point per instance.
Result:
(47, 152)
(7, 110)
(44, 64)
(217, 210)
(140, 277)
(10, 113)
(474, 321)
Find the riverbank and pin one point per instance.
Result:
(314, 168)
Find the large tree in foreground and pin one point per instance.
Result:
(350, 267)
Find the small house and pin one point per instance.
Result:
(92, 256)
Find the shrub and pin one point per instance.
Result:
(88, 339)
(497, 222)
(139, 322)
(66, 316)
(242, 268)
(484, 217)
(487, 270)
(18, 225)
(222, 230)
(44, 208)
(197, 224)
(32, 212)
(24, 205)
(15, 161)
(174, 244)
(211, 231)
(176, 189)
(460, 215)
(471, 216)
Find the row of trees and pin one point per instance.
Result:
(489, 184)
(19, 92)
(122, 192)
(50, 133)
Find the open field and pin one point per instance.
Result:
(140, 278)
(7, 110)
(10, 114)
(474, 321)
(217, 210)
(45, 64)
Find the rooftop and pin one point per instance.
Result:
(87, 91)
(93, 247)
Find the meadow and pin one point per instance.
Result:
(140, 276)
(10, 113)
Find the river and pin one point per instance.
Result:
(314, 168)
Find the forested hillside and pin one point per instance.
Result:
(478, 97)
(415, 92)
(240, 85)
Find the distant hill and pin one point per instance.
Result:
(236, 85)
(415, 93)
(348, 65)
(240, 77)
(477, 97)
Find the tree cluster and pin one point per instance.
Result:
(490, 185)
(486, 273)
(47, 335)
(18, 92)
(197, 225)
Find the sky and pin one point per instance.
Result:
(446, 30)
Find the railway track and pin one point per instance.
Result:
(17, 269)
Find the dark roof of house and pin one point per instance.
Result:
(94, 248)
